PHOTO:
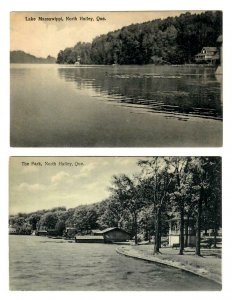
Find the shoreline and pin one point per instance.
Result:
(170, 261)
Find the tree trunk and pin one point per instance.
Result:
(136, 229)
(186, 243)
(215, 237)
(198, 229)
(157, 233)
(181, 229)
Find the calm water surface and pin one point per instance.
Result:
(40, 263)
(54, 105)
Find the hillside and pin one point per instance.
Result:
(21, 57)
(174, 40)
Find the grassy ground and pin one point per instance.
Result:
(208, 265)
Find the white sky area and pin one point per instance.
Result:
(43, 187)
(43, 38)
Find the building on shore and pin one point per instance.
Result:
(109, 235)
(208, 55)
(174, 232)
(12, 230)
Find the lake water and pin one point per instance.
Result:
(85, 106)
(40, 263)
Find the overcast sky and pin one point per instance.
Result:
(42, 187)
(43, 38)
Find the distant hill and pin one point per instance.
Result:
(21, 57)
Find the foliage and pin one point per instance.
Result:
(172, 40)
(165, 187)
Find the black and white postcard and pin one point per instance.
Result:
(115, 223)
(116, 79)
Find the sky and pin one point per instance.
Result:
(35, 185)
(43, 38)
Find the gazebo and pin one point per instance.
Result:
(174, 232)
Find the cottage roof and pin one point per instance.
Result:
(113, 228)
(210, 48)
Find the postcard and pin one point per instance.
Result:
(116, 79)
(115, 223)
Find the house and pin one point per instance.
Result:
(115, 234)
(70, 232)
(12, 230)
(174, 232)
(208, 55)
(109, 235)
(42, 232)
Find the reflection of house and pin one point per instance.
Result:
(174, 232)
(109, 235)
(208, 55)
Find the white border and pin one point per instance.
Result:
(5, 151)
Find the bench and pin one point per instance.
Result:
(207, 243)
(176, 245)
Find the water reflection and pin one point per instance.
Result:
(184, 90)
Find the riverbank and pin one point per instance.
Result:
(207, 266)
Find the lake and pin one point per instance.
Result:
(40, 263)
(115, 106)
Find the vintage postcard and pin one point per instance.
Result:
(116, 79)
(86, 224)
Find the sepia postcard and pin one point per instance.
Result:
(116, 79)
(86, 224)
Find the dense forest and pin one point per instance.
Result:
(21, 57)
(174, 40)
(165, 187)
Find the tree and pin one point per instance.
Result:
(181, 179)
(128, 193)
(113, 214)
(156, 185)
(60, 227)
(85, 218)
(34, 220)
(204, 170)
(49, 220)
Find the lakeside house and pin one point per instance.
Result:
(108, 235)
(12, 230)
(208, 55)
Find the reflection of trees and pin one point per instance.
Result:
(188, 90)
